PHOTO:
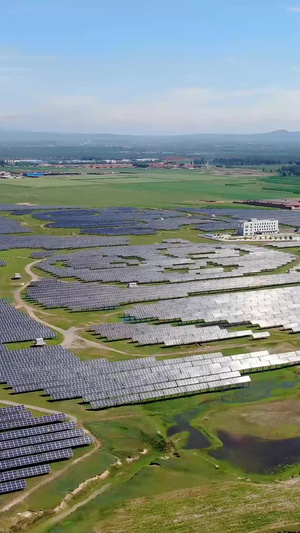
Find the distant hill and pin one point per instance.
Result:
(274, 147)
(102, 139)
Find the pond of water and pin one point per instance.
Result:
(257, 455)
(196, 439)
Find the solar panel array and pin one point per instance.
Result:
(50, 242)
(117, 220)
(129, 220)
(62, 375)
(12, 486)
(78, 296)
(41, 255)
(178, 270)
(284, 216)
(145, 334)
(16, 326)
(277, 307)
(8, 225)
(169, 261)
(284, 244)
(185, 376)
(26, 452)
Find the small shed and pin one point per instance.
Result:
(39, 342)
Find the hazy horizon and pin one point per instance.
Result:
(127, 134)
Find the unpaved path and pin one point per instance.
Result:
(70, 510)
(70, 336)
(71, 339)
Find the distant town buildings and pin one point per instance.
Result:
(253, 226)
(8, 175)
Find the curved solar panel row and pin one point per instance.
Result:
(78, 296)
(175, 262)
(117, 221)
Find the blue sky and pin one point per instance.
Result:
(128, 66)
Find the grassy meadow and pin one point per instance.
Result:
(146, 188)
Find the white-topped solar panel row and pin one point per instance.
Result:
(145, 334)
(78, 296)
(62, 375)
(276, 307)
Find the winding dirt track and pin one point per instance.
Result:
(70, 510)
(71, 339)
(70, 336)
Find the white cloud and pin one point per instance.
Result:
(178, 111)
(36, 93)
(295, 9)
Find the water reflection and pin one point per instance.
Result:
(196, 439)
(257, 455)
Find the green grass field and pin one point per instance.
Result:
(137, 478)
(148, 188)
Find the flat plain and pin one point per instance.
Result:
(148, 188)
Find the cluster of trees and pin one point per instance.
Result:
(243, 161)
(291, 170)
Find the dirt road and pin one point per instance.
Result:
(70, 336)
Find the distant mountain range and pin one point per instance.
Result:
(26, 138)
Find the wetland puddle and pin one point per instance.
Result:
(196, 439)
(257, 455)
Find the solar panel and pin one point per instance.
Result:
(39, 439)
(49, 457)
(71, 442)
(12, 486)
(31, 471)
(11, 424)
(38, 430)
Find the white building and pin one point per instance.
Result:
(253, 226)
